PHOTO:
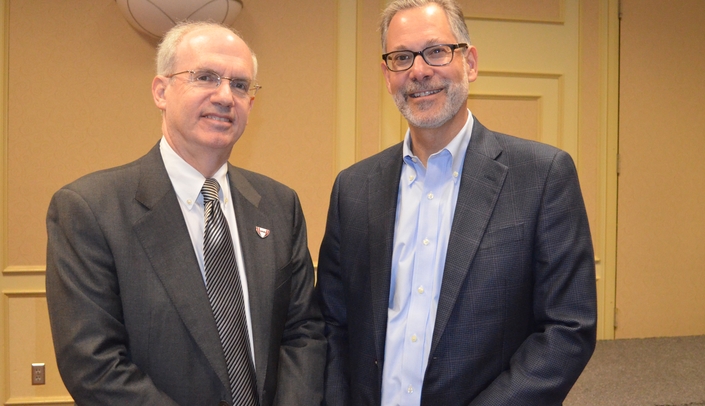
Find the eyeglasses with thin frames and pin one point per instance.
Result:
(210, 80)
(435, 55)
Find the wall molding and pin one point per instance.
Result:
(24, 270)
(560, 20)
(7, 296)
(49, 401)
(519, 74)
(517, 20)
(548, 88)
(608, 142)
(4, 105)
(4, 73)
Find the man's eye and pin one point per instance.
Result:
(401, 57)
(239, 85)
(205, 77)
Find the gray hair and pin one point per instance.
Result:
(451, 7)
(166, 52)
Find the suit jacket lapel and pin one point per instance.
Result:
(382, 206)
(166, 242)
(480, 185)
(258, 262)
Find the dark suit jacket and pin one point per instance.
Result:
(129, 312)
(517, 311)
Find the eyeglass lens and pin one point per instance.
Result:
(211, 80)
(437, 55)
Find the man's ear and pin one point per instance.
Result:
(471, 60)
(159, 85)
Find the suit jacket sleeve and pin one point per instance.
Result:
(333, 307)
(550, 360)
(85, 310)
(302, 350)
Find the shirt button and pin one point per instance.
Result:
(414, 159)
(420, 289)
(410, 389)
(411, 178)
(188, 201)
(426, 241)
(430, 196)
(413, 338)
(455, 174)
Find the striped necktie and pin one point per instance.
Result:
(226, 298)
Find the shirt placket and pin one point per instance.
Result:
(421, 301)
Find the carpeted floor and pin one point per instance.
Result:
(643, 372)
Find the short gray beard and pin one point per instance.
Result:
(457, 98)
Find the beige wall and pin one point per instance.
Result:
(77, 87)
(80, 100)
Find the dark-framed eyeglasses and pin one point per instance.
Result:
(207, 79)
(435, 55)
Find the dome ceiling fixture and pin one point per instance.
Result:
(155, 17)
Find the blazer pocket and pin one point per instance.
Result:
(283, 275)
(502, 235)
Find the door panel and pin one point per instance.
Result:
(661, 221)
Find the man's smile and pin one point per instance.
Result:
(424, 93)
(218, 118)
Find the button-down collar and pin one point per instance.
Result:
(456, 147)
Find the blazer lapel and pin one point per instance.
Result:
(258, 261)
(480, 185)
(163, 234)
(382, 207)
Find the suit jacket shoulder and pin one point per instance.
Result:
(391, 156)
(496, 145)
(255, 185)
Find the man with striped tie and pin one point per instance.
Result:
(179, 279)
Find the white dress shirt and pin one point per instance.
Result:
(187, 183)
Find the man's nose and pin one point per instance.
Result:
(223, 94)
(420, 69)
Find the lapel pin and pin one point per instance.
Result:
(262, 232)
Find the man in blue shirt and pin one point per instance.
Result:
(457, 267)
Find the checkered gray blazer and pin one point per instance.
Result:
(516, 320)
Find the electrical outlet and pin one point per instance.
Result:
(37, 374)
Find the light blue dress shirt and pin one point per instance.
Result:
(425, 207)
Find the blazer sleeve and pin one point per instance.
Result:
(332, 295)
(303, 345)
(550, 360)
(85, 311)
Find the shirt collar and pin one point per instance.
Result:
(456, 147)
(187, 181)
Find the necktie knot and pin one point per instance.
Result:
(210, 190)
